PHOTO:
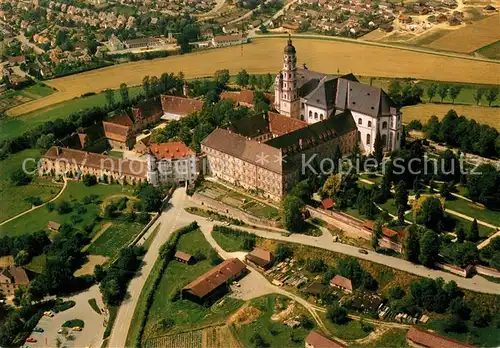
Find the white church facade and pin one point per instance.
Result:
(312, 97)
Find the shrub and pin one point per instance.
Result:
(63, 208)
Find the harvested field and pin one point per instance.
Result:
(471, 37)
(481, 114)
(265, 55)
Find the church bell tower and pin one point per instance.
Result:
(289, 96)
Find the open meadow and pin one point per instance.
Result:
(265, 55)
(481, 114)
(471, 37)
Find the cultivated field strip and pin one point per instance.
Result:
(210, 337)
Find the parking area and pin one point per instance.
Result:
(90, 336)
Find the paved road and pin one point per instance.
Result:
(171, 219)
(90, 336)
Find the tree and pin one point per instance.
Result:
(473, 235)
(431, 214)
(442, 91)
(378, 148)
(396, 293)
(19, 178)
(331, 185)
(242, 78)
(337, 314)
(431, 91)
(478, 95)
(150, 196)
(454, 91)
(222, 76)
(460, 232)
(444, 190)
(492, 95)
(401, 195)
(282, 252)
(263, 29)
(124, 94)
(45, 141)
(401, 214)
(89, 180)
(146, 86)
(465, 254)
(252, 81)
(376, 234)
(291, 213)
(110, 97)
(429, 248)
(412, 243)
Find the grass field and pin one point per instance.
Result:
(274, 332)
(480, 337)
(471, 37)
(185, 313)
(12, 198)
(115, 238)
(491, 51)
(474, 211)
(75, 191)
(265, 55)
(481, 114)
(350, 331)
(13, 98)
(228, 242)
(15, 126)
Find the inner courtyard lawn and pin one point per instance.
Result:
(184, 313)
(474, 211)
(73, 194)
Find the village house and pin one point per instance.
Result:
(260, 258)
(11, 278)
(183, 257)
(342, 283)
(53, 226)
(228, 40)
(214, 283)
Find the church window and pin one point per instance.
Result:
(302, 105)
(315, 115)
(368, 139)
(360, 121)
(384, 125)
(310, 113)
(321, 117)
(369, 123)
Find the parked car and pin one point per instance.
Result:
(31, 340)
(48, 314)
(77, 328)
(38, 329)
(60, 331)
(363, 251)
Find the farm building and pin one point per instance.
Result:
(423, 338)
(259, 257)
(315, 340)
(215, 282)
(11, 278)
(183, 257)
(341, 283)
(53, 226)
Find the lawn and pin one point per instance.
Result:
(75, 191)
(12, 198)
(350, 331)
(474, 211)
(113, 153)
(484, 231)
(39, 89)
(480, 337)
(228, 242)
(37, 264)
(274, 332)
(119, 235)
(184, 313)
(18, 124)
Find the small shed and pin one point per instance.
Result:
(53, 226)
(183, 257)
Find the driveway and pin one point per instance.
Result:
(90, 336)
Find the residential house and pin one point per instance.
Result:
(342, 283)
(11, 278)
(260, 258)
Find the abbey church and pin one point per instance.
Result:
(314, 116)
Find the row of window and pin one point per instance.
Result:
(315, 115)
(384, 138)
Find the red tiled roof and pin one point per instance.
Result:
(122, 119)
(429, 339)
(327, 203)
(147, 109)
(18, 59)
(180, 105)
(225, 38)
(280, 124)
(245, 96)
(97, 161)
(261, 257)
(319, 341)
(211, 280)
(173, 150)
(115, 131)
(388, 232)
(369, 224)
(343, 282)
(17, 275)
